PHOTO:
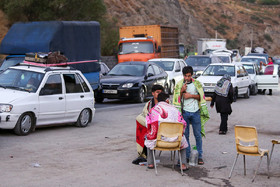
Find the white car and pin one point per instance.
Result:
(224, 54)
(33, 96)
(173, 67)
(239, 78)
(264, 78)
(254, 59)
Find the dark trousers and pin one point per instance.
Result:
(224, 119)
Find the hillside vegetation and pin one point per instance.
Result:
(238, 21)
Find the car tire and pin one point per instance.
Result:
(141, 95)
(247, 94)
(84, 118)
(25, 124)
(254, 90)
(235, 94)
(172, 86)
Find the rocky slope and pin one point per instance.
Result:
(237, 21)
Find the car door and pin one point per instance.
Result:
(268, 77)
(51, 101)
(77, 96)
(239, 80)
(149, 79)
(177, 71)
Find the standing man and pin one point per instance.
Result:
(189, 97)
(270, 62)
(141, 128)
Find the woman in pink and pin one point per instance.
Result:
(163, 112)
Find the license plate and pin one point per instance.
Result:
(110, 91)
(208, 90)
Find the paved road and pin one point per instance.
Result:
(101, 154)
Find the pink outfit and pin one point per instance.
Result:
(162, 112)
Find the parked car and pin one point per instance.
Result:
(254, 59)
(200, 62)
(239, 78)
(131, 80)
(253, 70)
(224, 54)
(173, 67)
(34, 96)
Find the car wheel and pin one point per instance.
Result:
(235, 94)
(247, 94)
(84, 118)
(171, 89)
(24, 125)
(141, 95)
(254, 90)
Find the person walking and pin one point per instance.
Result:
(223, 97)
(189, 97)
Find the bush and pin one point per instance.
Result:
(222, 28)
(269, 2)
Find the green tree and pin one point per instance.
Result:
(66, 10)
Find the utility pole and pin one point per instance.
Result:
(251, 38)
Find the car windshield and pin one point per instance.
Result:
(259, 54)
(127, 70)
(165, 65)
(198, 61)
(224, 59)
(11, 62)
(249, 68)
(254, 60)
(219, 70)
(136, 47)
(20, 80)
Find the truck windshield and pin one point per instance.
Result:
(198, 61)
(20, 80)
(11, 62)
(136, 47)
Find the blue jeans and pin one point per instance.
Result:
(194, 119)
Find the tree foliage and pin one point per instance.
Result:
(66, 10)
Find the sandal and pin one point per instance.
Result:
(200, 161)
(151, 166)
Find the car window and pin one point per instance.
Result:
(177, 66)
(72, 83)
(166, 65)
(157, 70)
(127, 70)
(198, 61)
(52, 86)
(182, 64)
(240, 72)
(219, 70)
(150, 70)
(249, 68)
(268, 70)
(83, 83)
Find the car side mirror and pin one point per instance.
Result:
(239, 75)
(43, 91)
(150, 74)
(177, 70)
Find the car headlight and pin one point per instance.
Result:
(5, 108)
(127, 85)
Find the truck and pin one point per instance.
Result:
(141, 43)
(79, 41)
(206, 46)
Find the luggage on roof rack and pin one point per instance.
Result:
(46, 58)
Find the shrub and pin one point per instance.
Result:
(269, 2)
(267, 37)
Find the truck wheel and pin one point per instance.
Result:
(247, 94)
(235, 94)
(25, 124)
(84, 118)
(171, 89)
(141, 95)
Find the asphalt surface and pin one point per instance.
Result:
(101, 154)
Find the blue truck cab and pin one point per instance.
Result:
(79, 41)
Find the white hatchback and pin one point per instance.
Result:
(33, 96)
(173, 67)
(239, 78)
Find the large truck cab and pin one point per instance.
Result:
(138, 49)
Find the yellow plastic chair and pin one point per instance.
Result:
(273, 143)
(169, 130)
(246, 139)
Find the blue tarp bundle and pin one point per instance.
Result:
(77, 40)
